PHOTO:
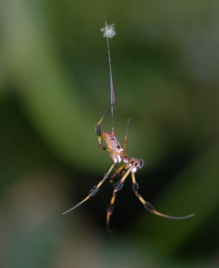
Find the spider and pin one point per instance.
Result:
(128, 166)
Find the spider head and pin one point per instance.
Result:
(136, 164)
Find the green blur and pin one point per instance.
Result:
(54, 88)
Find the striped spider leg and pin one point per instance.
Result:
(128, 166)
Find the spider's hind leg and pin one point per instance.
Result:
(98, 129)
(99, 132)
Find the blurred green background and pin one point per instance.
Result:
(54, 87)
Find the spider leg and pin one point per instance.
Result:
(149, 207)
(117, 172)
(118, 186)
(93, 190)
(126, 134)
(99, 133)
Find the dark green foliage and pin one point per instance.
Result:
(54, 87)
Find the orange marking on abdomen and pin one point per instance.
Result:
(113, 144)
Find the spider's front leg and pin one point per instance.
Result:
(148, 205)
(118, 186)
(93, 190)
(118, 172)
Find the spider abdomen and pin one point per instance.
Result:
(114, 145)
